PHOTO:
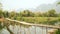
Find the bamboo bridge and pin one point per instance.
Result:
(18, 27)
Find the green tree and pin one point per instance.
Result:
(6, 14)
(59, 14)
(58, 3)
(57, 32)
(37, 14)
(1, 13)
(52, 13)
(0, 6)
(12, 14)
(26, 13)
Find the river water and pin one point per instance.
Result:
(26, 30)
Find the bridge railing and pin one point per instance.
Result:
(28, 28)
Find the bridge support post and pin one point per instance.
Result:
(46, 30)
(20, 28)
(35, 29)
(42, 30)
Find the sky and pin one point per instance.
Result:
(23, 4)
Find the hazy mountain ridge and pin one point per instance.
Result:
(46, 7)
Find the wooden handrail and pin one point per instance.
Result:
(40, 25)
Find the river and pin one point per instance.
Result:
(26, 30)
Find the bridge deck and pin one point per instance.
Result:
(40, 25)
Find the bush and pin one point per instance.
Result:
(57, 32)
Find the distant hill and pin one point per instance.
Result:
(46, 7)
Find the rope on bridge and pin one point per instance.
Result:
(40, 25)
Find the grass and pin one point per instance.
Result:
(39, 20)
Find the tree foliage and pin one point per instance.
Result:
(58, 3)
(57, 32)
